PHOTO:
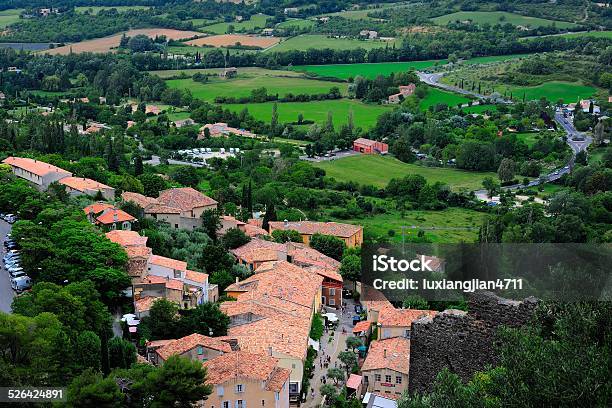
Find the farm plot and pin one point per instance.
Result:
(306, 41)
(499, 17)
(230, 40)
(367, 70)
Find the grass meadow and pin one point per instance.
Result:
(9, 16)
(306, 41)
(495, 17)
(256, 22)
(367, 70)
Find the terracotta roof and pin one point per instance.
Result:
(393, 354)
(373, 299)
(139, 199)
(259, 250)
(138, 251)
(313, 227)
(232, 219)
(174, 284)
(184, 344)
(152, 279)
(113, 215)
(362, 326)
(391, 316)
(82, 184)
(97, 208)
(364, 141)
(143, 304)
(354, 381)
(241, 364)
(185, 198)
(168, 262)
(37, 167)
(327, 273)
(126, 238)
(253, 230)
(258, 222)
(196, 276)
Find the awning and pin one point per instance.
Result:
(353, 382)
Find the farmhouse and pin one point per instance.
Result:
(404, 91)
(109, 217)
(76, 186)
(228, 73)
(352, 235)
(39, 173)
(368, 34)
(222, 129)
(367, 146)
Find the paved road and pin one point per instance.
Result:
(6, 292)
(434, 80)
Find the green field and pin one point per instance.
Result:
(435, 96)
(306, 41)
(367, 70)
(242, 71)
(9, 17)
(296, 22)
(97, 9)
(451, 225)
(528, 137)
(502, 17)
(479, 108)
(364, 115)
(256, 22)
(493, 58)
(242, 86)
(362, 14)
(189, 49)
(595, 34)
(553, 91)
(378, 170)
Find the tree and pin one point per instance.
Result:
(235, 238)
(221, 278)
(179, 382)
(330, 392)
(403, 151)
(415, 302)
(506, 170)
(350, 268)
(88, 348)
(152, 184)
(186, 175)
(121, 353)
(140, 43)
(328, 245)
(283, 236)
(490, 185)
(206, 319)
(353, 342)
(274, 120)
(110, 282)
(138, 166)
(215, 258)
(270, 215)
(211, 223)
(90, 389)
(162, 319)
(349, 359)
(335, 374)
(599, 133)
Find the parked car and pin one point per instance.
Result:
(12, 263)
(15, 272)
(21, 283)
(358, 309)
(18, 274)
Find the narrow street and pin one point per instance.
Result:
(331, 347)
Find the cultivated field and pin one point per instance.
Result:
(378, 170)
(363, 14)
(243, 84)
(256, 22)
(435, 96)
(493, 59)
(296, 22)
(242, 71)
(9, 17)
(229, 40)
(501, 17)
(367, 70)
(364, 115)
(306, 41)
(553, 91)
(106, 44)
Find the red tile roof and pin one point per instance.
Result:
(186, 198)
(161, 209)
(354, 381)
(97, 208)
(241, 364)
(254, 230)
(113, 215)
(168, 262)
(82, 184)
(313, 227)
(37, 167)
(393, 354)
(364, 141)
(139, 199)
(126, 238)
(196, 276)
(362, 326)
(143, 304)
(184, 344)
(391, 316)
(174, 284)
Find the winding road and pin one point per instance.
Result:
(576, 140)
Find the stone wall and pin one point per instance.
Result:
(462, 341)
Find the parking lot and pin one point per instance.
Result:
(6, 293)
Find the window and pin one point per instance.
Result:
(239, 404)
(365, 379)
(226, 404)
(376, 377)
(387, 378)
(332, 292)
(407, 333)
(293, 388)
(175, 225)
(177, 274)
(277, 396)
(239, 388)
(386, 333)
(200, 350)
(398, 379)
(220, 390)
(332, 302)
(263, 403)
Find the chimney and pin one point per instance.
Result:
(286, 223)
(385, 353)
(115, 216)
(236, 279)
(270, 351)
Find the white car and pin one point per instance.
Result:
(21, 283)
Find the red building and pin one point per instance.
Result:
(368, 146)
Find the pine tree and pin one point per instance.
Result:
(138, 166)
(269, 216)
